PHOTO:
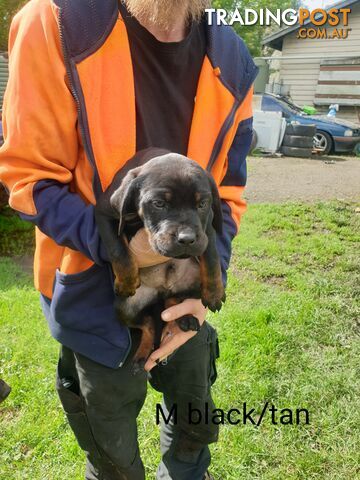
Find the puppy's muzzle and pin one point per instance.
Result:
(180, 243)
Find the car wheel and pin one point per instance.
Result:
(296, 152)
(253, 141)
(300, 130)
(323, 142)
(357, 150)
(297, 141)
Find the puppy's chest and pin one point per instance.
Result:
(172, 277)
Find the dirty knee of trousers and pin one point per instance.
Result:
(190, 444)
(193, 436)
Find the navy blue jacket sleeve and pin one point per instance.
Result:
(67, 219)
(236, 176)
(225, 239)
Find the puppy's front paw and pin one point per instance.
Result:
(126, 287)
(127, 280)
(213, 296)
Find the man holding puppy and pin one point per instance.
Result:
(90, 84)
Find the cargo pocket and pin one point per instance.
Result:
(214, 354)
(73, 405)
(162, 378)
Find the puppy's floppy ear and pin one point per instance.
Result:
(216, 205)
(124, 199)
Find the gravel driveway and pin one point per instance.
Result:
(284, 179)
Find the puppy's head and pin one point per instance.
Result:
(176, 200)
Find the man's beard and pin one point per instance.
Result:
(166, 13)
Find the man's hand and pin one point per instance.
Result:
(173, 337)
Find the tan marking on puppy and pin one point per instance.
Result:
(147, 339)
(127, 279)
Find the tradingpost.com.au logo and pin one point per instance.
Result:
(311, 22)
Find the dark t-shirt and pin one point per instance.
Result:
(166, 77)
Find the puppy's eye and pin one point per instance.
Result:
(203, 204)
(159, 204)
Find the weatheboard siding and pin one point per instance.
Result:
(303, 75)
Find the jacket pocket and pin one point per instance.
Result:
(85, 302)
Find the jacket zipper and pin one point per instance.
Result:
(69, 73)
(221, 137)
(80, 106)
(85, 134)
(226, 127)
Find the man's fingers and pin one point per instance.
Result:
(166, 336)
(177, 311)
(169, 343)
(167, 348)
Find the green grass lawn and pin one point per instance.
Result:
(289, 335)
(16, 236)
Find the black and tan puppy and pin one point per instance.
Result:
(178, 204)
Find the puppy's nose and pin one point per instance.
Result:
(187, 237)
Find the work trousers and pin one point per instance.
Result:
(102, 406)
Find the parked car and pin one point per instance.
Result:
(333, 135)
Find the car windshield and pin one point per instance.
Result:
(287, 105)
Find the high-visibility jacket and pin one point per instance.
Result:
(70, 124)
